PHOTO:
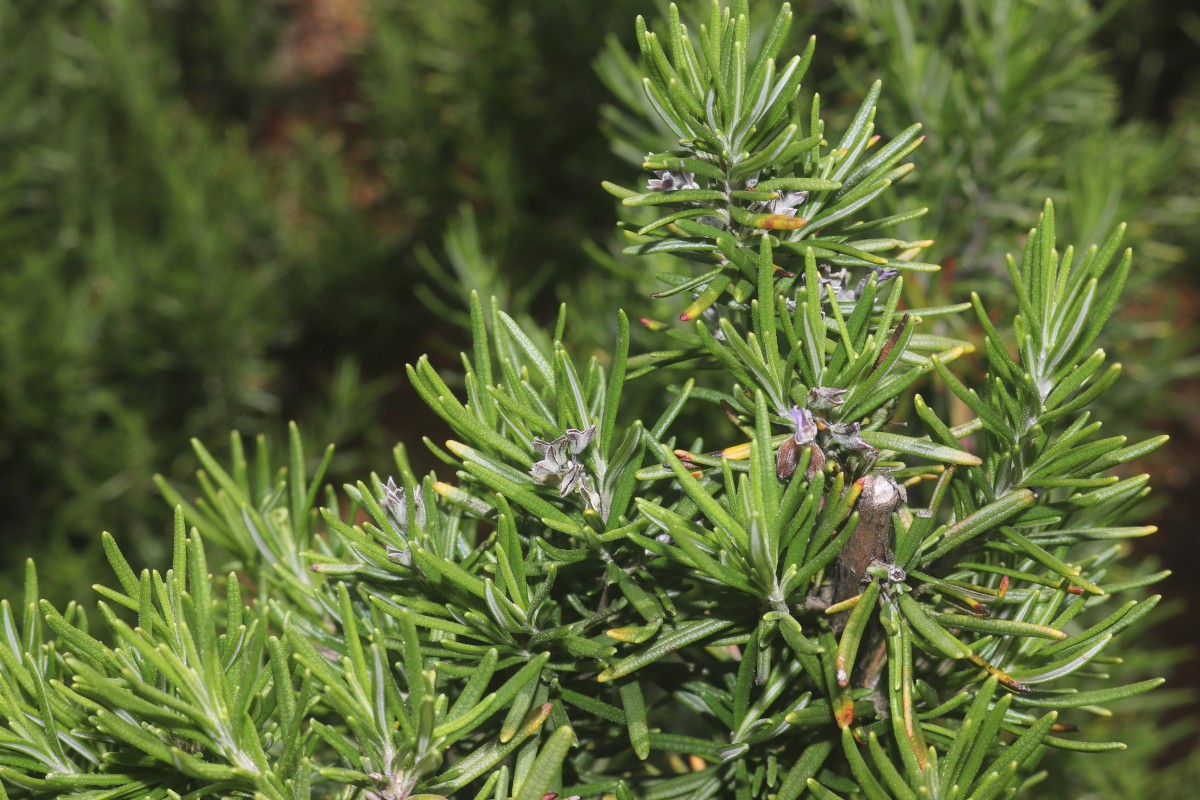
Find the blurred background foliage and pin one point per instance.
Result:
(213, 215)
(232, 214)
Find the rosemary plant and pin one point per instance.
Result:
(802, 603)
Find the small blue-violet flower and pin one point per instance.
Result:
(668, 181)
(804, 432)
(806, 426)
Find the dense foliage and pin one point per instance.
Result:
(755, 586)
(315, 148)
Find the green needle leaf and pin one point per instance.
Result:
(547, 766)
(919, 447)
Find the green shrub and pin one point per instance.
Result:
(774, 594)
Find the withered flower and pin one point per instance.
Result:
(784, 205)
(394, 502)
(822, 397)
(846, 435)
(559, 467)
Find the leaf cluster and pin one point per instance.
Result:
(586, 605)
(751, 157)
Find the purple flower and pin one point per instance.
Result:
(668, 181)
(804, 433)
(806, 426)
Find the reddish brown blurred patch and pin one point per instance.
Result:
(321, 38)
(313, 61)
(313, 69)
(1175, 476)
